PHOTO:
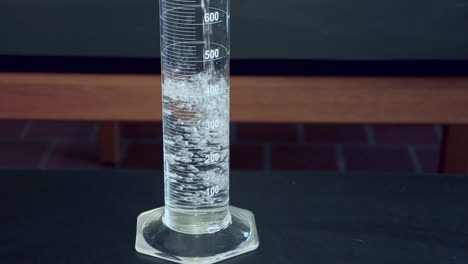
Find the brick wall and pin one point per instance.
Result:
(313, 147)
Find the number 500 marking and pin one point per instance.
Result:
(211, 54)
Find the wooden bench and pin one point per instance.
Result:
(111, 98)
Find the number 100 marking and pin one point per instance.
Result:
(212, 191)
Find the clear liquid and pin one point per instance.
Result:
(196, 152)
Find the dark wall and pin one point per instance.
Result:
(293, 29)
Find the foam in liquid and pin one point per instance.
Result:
(196, 148)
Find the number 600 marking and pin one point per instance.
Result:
(211, 17)
(211, 54)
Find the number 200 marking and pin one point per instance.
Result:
(214, 157)
(211, 54)
(211, 17)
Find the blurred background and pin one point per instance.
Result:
(254, 146)
(394, 39)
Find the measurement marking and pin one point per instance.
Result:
(165, 32)
(193, 43)
(185, 1)
(174, 2)
(177, 53)
(179, 73)
(185, 69)
(176, 131)
(182, 63)
(177, 148)
(185, 44)
(220, 58)
(172, 38)
(181, 2)
(177, 25)
(178, 0)
(175, 120)
(217, 9)
(182, 73)
(200, 24)
(214, 163)
(180, 56)
(185, 74)
(180, 15)
(166, 5)
(182, 31)
(184, 181)
(181, 21)
(210, 23)
(170, 5)
(173, 128)
(180, 11)
(168, 29)
(173, 31)
(169, 39)
(182, 192)
(168, 9)
(182, 77)
(172, 47)
(185, 132)
(200, 96)
(181, 48)
(179, 112)
(178, 34)
(181, 66)
(187, 49)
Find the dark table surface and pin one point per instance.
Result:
(90, 216)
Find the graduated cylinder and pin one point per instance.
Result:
(195, 81)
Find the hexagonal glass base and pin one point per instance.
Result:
(156, 239)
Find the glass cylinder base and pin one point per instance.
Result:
(154, 238)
